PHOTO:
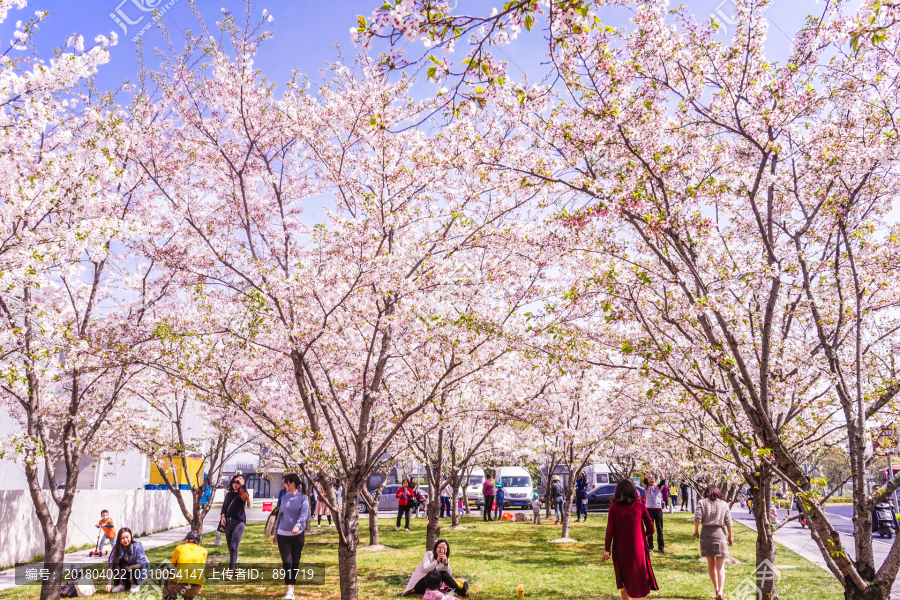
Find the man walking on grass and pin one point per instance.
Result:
(655, 508)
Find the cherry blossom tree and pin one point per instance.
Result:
(758, 267)
(580, 413)
(71, 306)
(456, 430)
(409, 286)
(181, 412)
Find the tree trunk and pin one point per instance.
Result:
(54, 532)
(374, 537)
(872, 592)
(54, 551)
(433, 530)
(454, 509)
(567, 508)
(862, 522)
(349, 544)
(55, 541)
(199, 512)
(765, 542)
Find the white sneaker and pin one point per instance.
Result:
(398, 529)
(331, 524)
(118, 588)
(289, 595)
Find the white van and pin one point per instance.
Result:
(598, 475)
(516, 482)
(473, 492)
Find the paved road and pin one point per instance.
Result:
(796, 538)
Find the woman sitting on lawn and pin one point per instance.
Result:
(437, 560)
(128, 564)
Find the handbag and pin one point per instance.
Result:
(221, 528)
(85, 589)
(270, 523)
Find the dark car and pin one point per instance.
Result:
(600, 499)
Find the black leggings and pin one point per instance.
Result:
(234, 531)
(488, 507)
(290, 547)
(403, 510)
(657, 515)
(445, 577)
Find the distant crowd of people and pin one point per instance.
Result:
(634, 521)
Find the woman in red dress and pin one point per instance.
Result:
(627, 529)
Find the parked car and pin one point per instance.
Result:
(600, 499)
(516, 481)
(387, 502)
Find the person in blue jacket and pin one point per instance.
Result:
(581, 486)
(128, 564)
(499, 498)
(290, 529)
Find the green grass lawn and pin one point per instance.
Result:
(495, 557)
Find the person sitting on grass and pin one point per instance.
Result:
(436, 561)
(128, 564)
(433, 583)
(188, 568)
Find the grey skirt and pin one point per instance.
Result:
(713, 541)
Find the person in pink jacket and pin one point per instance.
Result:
(488, 491)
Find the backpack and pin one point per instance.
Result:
(270, 523)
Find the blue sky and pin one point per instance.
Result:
(307, 30)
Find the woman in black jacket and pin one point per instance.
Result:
(234, 519)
